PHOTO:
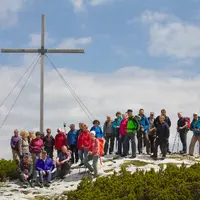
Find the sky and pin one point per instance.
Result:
(138, 54)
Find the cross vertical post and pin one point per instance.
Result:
(42, 51)
(42, 76)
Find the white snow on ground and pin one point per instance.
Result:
(13, 191)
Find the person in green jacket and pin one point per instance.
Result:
(133, 126)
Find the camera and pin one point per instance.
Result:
(64, 124)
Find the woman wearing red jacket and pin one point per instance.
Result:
(83, 143)
(60, 140)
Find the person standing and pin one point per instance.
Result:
(122, 133)
(23, 143)
(83, 144)
(142, 134)
(49, 143)
(108, 135)
(72, 143)
(60, 140)
(182, 130)
(116, 126)
(97, 129)
(167, 120)
(14, 143)
(152, 132)
(131, 130)
(195, 127)
(162, 136)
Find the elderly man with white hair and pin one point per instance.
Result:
(93, 154)
(63, 162)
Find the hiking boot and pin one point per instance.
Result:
(117, 153)
(169, 152)
(110, 153)
(25, 185)
(133, 156)
(47, 184)
(81, 164)
(123, 155)
(182, 152)
(32, 184)
(40, 185)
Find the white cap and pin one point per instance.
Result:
(93, 132)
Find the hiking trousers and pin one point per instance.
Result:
(109, 139)
(64, 169)
(152, 142)
(183, 138)
(127, 138)
(16, 155)
(43, 175)
(94, 167)
(163, 146)
(143, 138)
(49, 151)
(194, 139)
(74, 156)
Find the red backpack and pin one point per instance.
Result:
(187, 119)
(101, 146)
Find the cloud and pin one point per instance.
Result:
(78, 5)
(103, 94)
(35, 40)
(75, 42)
(9, 12)
(170, 36)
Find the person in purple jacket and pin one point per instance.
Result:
(14, 143)
(44, 168)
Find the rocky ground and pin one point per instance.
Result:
(13, 190)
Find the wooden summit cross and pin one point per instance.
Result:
(42, 51)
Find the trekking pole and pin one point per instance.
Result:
(174, 141)
(64, 125)
(178, 143)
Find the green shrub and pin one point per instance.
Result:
(8, 169)
(172, 183)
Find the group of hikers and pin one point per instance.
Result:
(34, 152)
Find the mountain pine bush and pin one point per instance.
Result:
(172, 183)
(8, 169)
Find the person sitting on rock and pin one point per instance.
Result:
(93, 154)
(63, 162)
(25, 171)
(45, 168)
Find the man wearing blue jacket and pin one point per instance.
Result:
(195, 127)
(116, 125)
(72, 143)
(44, 167)
(142, 134)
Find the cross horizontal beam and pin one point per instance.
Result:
(40, 50)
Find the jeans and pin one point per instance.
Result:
(82, 154)
(127, 138)
(109, 138)
(42, 176)
(94, 163)
(152, 142)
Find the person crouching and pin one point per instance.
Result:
(63, 162)
(93, 154)
(44, 167)
(25, 171)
